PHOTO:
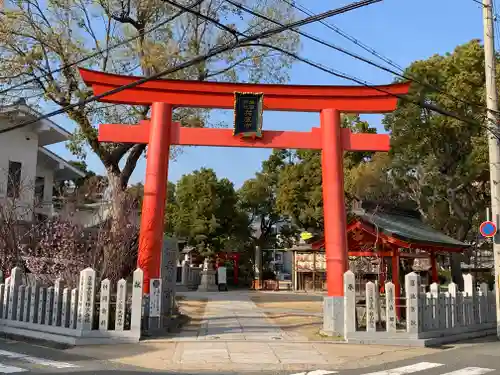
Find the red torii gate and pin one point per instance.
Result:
(160, 133)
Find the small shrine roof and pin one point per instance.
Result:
(405, 225)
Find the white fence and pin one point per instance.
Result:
(73, 316)
(425, 318)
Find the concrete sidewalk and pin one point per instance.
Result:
(248, 356)
(235, 335)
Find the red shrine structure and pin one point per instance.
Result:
(160, 132)
(394, 235)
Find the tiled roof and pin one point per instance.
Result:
(404, 225)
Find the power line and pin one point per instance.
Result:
(495, 25)
(430, 107)
(101, 52)
(356, 56)
(345, 35)
(495, 15)
(201, 58)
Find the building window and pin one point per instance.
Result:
(39, 189)
(14, 181)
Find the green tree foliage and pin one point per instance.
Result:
(205, 212)
(300, 192)
(372, 180)
(257, 198)
(438, 162)
(36, 37)
(81, 165)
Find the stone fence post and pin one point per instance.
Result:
(390, 307)
(371, 308)
(472, 303)
(349, 302)
(86, 295)
(412, 286)
(136, 313)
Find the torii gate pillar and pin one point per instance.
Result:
(155, 191)
(332, 156)
(160, 133)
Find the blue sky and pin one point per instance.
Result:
(402, 30)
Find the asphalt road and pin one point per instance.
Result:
(480, 358)
(475, 359)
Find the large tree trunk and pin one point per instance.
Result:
(117, 253)
(457, 258)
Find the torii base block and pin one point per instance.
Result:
(333, 316)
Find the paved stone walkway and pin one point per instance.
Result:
(236, 336)
(233, 316)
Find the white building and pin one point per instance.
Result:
(28, 169)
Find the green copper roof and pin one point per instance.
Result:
(408, 228)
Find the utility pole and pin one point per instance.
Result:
(493, 142)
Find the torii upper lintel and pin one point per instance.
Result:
(300, 98)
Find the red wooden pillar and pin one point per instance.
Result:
(395, 281)
(383, 275)
(235, 268)
(333, 202)
(155, 190)
(434, 268)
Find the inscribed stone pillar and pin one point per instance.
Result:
(168, 275)
(412, 286)
(371, 323)
(121, 302)
(104, 305)
(390, 307)
(136, 307)
(155, 302)
(86, 294)
(349, 303)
